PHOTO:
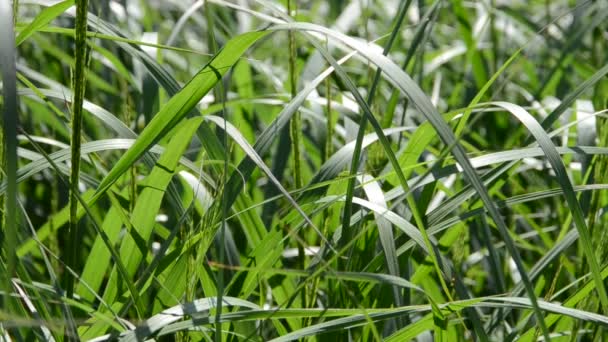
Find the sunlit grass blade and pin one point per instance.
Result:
(43, 19)
(180, 105)
(148, 204)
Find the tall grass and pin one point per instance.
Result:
(289, 170)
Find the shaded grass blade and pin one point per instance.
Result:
(8, 151)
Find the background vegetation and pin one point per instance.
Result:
(325, 170)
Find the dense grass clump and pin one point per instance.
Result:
(294, 170)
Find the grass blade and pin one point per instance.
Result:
(45, 17)
(8, 151)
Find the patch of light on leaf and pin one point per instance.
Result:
(585, 122)
(162, 218)
(206, 101)
(200, 191)
(155, 247)
(118, 10)
(293, 252)
(152, 38)
(134, 9)
(515, 275)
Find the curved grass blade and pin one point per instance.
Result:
(251, 153)
(384, 230)
(346, 231)
(572, 301)
(562, 177)
(265, 139)
(157, 322)
(572, 96)
(374, 193)
(39, 164)
(401, 80)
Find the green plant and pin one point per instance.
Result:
(290, 170)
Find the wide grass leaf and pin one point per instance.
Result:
(47, 15)
(180, 105)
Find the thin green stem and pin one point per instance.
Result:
(330, 118)
(15, 10)
(219, 93)
(295, 125)
(79, 85)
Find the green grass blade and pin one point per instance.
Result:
(251, 153)
(180, 105)
(148, 204)
(572, 96)
(45, 17)
(562, 176)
